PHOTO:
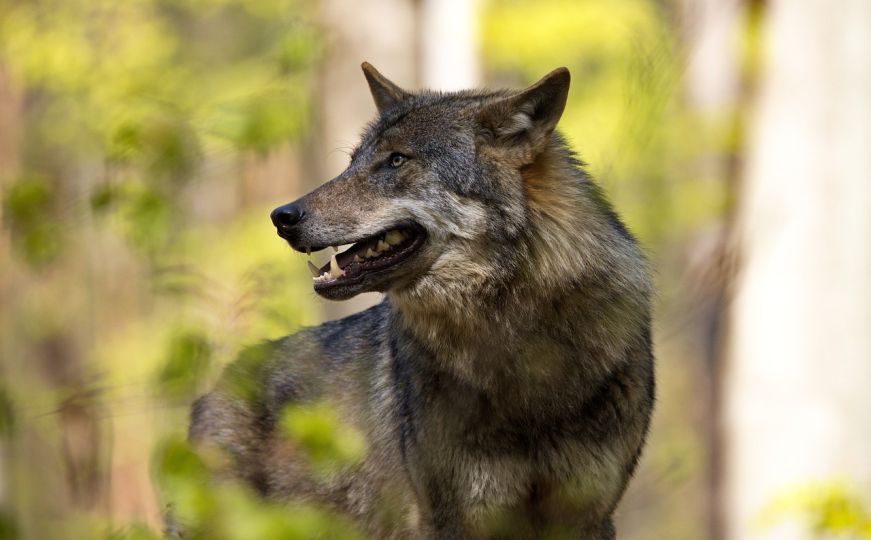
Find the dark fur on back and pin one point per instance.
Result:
(505, 383)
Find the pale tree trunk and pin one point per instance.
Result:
(449, 44)
(711, 29)
(797, 387)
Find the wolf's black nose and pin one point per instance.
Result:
(285, 217)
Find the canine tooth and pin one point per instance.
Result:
(313, 269)
(394, 237)
(370, 254)
(382, 246)
(335, 271)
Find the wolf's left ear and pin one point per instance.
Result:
(527, 119)
(384, 92)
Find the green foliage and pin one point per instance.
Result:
(260, 124)
(7, 414)
(165, 148)
(597, 37)
(147, 218)
(828, 508)
(8, 527)
(243, 378)
(203, 509)
(252, 520)
(144, 90)
(187, 361)
(620, 55)
(29, 212)
(183, 477)
(328, 442)
(623, 115)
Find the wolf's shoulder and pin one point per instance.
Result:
(329, 344)
(298, 366)
(367, 325)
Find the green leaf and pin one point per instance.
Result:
(188, 358)
(29, 212)
(328, 442)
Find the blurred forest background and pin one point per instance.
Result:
(143, 143)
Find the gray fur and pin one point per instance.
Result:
(505, 384)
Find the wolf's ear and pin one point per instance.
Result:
(384, 92)
(527, 119)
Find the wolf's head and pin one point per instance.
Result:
(434, 193)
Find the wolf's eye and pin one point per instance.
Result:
(396, 160)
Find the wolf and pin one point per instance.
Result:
(505, 383)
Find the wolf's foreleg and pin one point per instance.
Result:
(221, 423)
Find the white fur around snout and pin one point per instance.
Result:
(467, 217)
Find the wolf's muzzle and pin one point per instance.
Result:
(286, 217)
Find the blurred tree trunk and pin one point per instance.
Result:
(797, 387)
(711, 30)
(10, 118)
(448, 33)
(10, 144)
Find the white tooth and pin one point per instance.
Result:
(394, 237)
(357, 259)
(370, 254)
(335, 271)
(382, 246)
(313, 269)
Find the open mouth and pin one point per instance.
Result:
(367, 256)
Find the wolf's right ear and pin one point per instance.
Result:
(384, 92)
(524, 121)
